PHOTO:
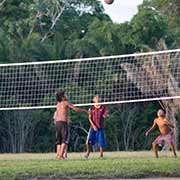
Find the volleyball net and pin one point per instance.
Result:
(117, 79)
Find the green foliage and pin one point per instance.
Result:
(4, 50)
(169, 9)
(44, 137)
(148, 26)
(84, 30)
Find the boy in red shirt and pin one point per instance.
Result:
(97, 113)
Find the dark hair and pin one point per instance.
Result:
(60, 95)
(162, 112)
(99, 97)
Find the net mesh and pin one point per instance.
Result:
(117, 79)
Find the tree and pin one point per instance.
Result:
(165, 8)
(18, 129)
(148, 26)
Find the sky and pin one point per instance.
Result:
(122, 10)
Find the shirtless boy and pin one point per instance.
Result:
(165, 128)
(61, 122)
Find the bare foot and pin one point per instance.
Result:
(60, 158)
(86, 156)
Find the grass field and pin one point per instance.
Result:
(113, 165)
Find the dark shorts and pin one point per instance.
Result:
(96, 137)
(62, 133)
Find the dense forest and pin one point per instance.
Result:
(46, 30)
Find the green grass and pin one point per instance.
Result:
(113, 165)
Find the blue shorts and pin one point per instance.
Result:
(96, 137)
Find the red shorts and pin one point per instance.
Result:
(167, 138)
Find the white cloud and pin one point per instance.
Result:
(122, 10)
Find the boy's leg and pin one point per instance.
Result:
(154, 146)
(58, 150)
(173, 149)
(66, 149)
(169, 139)
(63, 146)
(65, 152)
(58, 140)
(91, 140)
(155, 143)
(88, 149)
(64, 139)
(101, 140)
(101, 151)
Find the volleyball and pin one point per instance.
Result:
(108, 1)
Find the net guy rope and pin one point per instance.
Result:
(117, 79)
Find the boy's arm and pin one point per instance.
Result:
(75, 108)
(91, 122)
(105, 114)
(149, 131)
(54, 117)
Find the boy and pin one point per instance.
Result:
(97, 113)
(165, 128)
(68, 122)
(66, 149)
(61, 122)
